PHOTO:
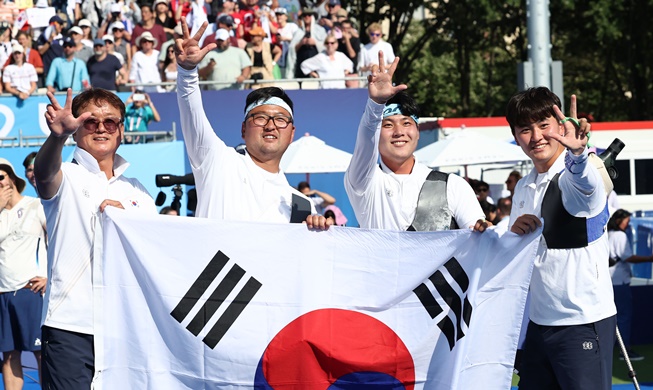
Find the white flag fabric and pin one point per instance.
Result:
(185, 303)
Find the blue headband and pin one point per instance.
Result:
(395, 109)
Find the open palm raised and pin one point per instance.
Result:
(187, 49)
(379, 82)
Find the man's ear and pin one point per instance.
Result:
(242, 130)
(292, 134)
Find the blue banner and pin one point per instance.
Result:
(331, 115)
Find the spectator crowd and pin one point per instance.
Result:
(109, 44)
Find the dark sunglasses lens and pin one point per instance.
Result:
(110, 125)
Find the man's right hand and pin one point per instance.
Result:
(379, 83)
(525, 224)
(187, 49)
(61, 120)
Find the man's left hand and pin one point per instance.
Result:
(318, 222)
(576, 132)
(481, 225)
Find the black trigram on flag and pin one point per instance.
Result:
(459, 305)
(216, 299)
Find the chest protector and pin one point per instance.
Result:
(433, 213)
(565, 231)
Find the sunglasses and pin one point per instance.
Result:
(2, 177)
(332, 43)
(375, 34)
(111, 125)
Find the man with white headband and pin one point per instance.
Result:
(400, 193)
(230, 185)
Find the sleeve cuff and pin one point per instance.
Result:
(186, 73)
(576, 164)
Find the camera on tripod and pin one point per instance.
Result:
(610, 155)
(167, 180)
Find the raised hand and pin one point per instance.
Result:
(379, 83)
(61, 120)
(575, 135)
(187, 49)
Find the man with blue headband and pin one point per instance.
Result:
(400, 193)
(230, 185)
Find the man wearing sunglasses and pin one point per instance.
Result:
(73, 195)
(247, 187)
(400, 193)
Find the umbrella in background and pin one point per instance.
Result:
(469, 148)
(310, 154)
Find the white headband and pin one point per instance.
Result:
(275, 101)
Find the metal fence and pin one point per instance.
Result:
(38, 140)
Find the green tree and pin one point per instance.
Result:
(460, 57)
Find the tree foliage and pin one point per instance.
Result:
(460, 57)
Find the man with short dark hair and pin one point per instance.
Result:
(241, 187)
(401, 193)
(67, 71)
(74, 195)
(511, 182)
(504, 206)
(571, 332)
(102, 68)
(28, 163)
(148, 23)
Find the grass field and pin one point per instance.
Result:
(643, 369)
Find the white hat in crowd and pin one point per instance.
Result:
(119, 25)
(222, 35)
(75, 30)
(146, 36)
(107, 37)
(18, 48)
(84, 23)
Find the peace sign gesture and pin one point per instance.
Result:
(379, 83)
(61, 120)
(576, 132)
(187, 49)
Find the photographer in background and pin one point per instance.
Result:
(138, 114)
(621, 258)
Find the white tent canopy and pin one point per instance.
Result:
(469, 148)
(310, 154)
